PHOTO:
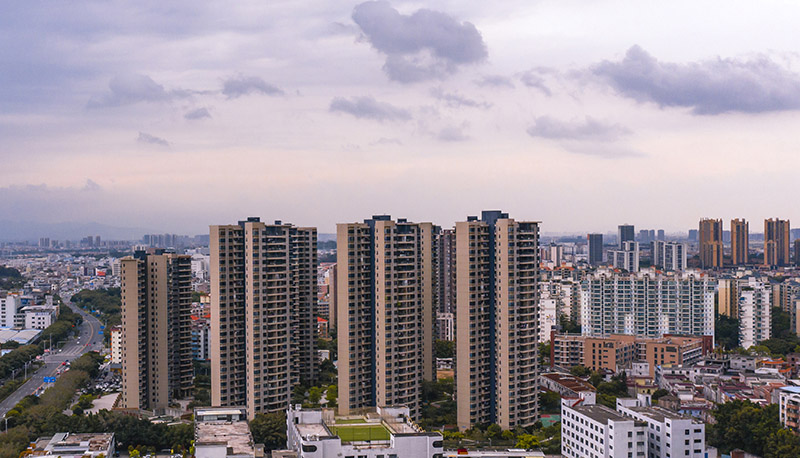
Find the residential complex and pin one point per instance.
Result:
(626, 258)
(263, 313)
(595, 242)
(754, 312)
(776, 242)
(740, 241)
(596, 431)
(156, 330)
(386, 312)
(670, 256)
(497, 321)
(711, 247)
(647, 304)
(625, 233)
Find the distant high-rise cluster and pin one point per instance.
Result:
(711, 245)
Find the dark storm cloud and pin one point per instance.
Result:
(134, 88)
(146, 138)
(589, 129)
(422, 46)
(369, 108)
(198, 113)
(455, 100)
(707, 87)
(244, 85)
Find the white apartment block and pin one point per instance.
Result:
(627, 258)
(382, 432)
(548, 318)
(116, 345)
(9, 306)
(595, 431)
(647, 303)
(789, 401)
(39, 316)
(755, 312)
(670, 255)
(566, 294)
(669, 435)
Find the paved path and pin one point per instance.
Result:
(89, 329)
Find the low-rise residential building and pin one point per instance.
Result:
(669, 434)
(39, 316)
(789, 402)
(73, 445)
(596, 431)
(379, 432)
(569, 386)
(223, 432)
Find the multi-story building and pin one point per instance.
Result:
(615, 352)
(727, 298)
(223, 432)
(626, 258)
(789, 402)
(497, 365)
(39, 316)
(797, 252)
(670, 255)
(625, 233)
(740, 241)
(776, 242)
(116, 345)
(647, 304)
(669, 434)
(263, 313)
(595, 242)
(156, 330)
(380, 432)
(9, 307)
(711, 247)
(386, 312)
(755, 312)
(596, 431)
(445, 269)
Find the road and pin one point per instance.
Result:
(72, 349)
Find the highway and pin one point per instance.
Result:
(87, 340)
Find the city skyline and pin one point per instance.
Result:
(140, 115)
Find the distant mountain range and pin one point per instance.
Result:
(20, 231)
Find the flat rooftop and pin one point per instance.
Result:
(234, 433)
(570, 382)
(601, 414)
(658, 414)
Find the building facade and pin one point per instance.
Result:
(776, 242)
(156, 330)
(497, 319)
(595, 242)
(386, 312)
(740, 241)
(670, 255)
(626, 258)
(711, 247)
(754, 311)
(625, 233)
(263, 313)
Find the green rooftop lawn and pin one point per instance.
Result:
(361, 433)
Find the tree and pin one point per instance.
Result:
(782, 443)
(444, 348)
(331, 395)
(727, 332)
(269, 429)
(659, 393)
(550, 402)
(314, 395)
(580, 371)
(743, 425)
(544, 353)
(569, 326)
(527, 442)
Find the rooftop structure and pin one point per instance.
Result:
(382, 431)
(69, 445)
(222, 432)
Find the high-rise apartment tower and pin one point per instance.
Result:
(710, 243)
(776, 242)
(740, 241)
(156, 330)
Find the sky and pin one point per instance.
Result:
(580, 114)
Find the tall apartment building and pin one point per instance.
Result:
(755, 312)
(797, 252)
(9, 308)
(711, 247)
(776, 242)
(740, 241)
(648, 303)
(626, 258)
(156, 330)
(625, 233)
(670, 255)
(263, 313)
(595, 249)
(386, 311)
(727, 297)
(497, 365)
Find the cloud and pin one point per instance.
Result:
(601, 150)
(495, 81)
(456, 100)
(533, 79)
(422, 46)
(388, 141)
(134, 88)
(244, 85)
(198, 113)
(589, 129)
(369, 108)
(151, 140)
(707, 87)
(452, 134)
